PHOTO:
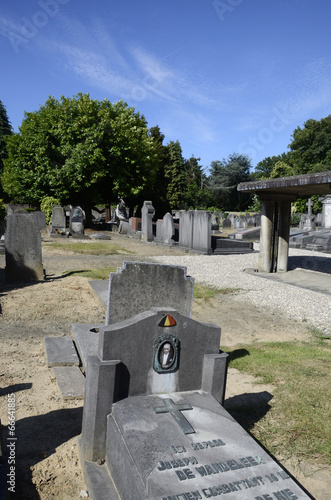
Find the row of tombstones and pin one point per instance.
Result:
(192, 229)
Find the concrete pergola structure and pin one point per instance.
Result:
(276, 196)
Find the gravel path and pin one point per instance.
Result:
(226, 271)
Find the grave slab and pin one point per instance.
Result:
(60, 351)
(151, 454)
(71, 381)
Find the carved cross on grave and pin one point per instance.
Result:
(175, 411)
(310, 205)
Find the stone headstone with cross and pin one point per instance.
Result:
(308, 222)
(153, 422)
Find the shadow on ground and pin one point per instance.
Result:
(37, 438)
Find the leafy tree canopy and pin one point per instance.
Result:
(175, 175)
(265, 167)
(311, 146)
(80, 150)
(224, 178)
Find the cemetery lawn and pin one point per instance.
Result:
(298, 423)
(89, 247)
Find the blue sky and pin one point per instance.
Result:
(219, 76)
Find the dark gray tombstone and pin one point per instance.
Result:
(227, 246)
(76, 221)
(134, 350)
(41, 220)
(155, 429)
(227, 224)
(138, 286)
(147, 213)
(23, 249)
(58, 226)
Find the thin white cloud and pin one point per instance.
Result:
(94, 68)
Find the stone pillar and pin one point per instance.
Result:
(147, 213)
(100, 394)
(283, 235)
(266, 237)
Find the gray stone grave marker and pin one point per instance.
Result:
(147, 213)
(227, 224)
(168, 229)
(23, 249)
(76, 221)
(201, 238)
(186, 228)
(138, 286)
(326, 211)
(58, 225)
(161, 431)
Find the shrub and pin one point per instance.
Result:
(295, 220)
(47, 205)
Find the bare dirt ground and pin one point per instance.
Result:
(46, 459)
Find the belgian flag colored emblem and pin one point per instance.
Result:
(168, 320)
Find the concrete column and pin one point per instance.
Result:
(100, 393)
(283, 235)
(266, 237)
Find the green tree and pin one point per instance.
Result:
(175, 174)
(81, 151)
(157, 191)
(265, 167)
(196, 194)
(5, 131)
(281, 169)
(224, 178)
(311, 146)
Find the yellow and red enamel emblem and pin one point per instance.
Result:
(168, 320)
